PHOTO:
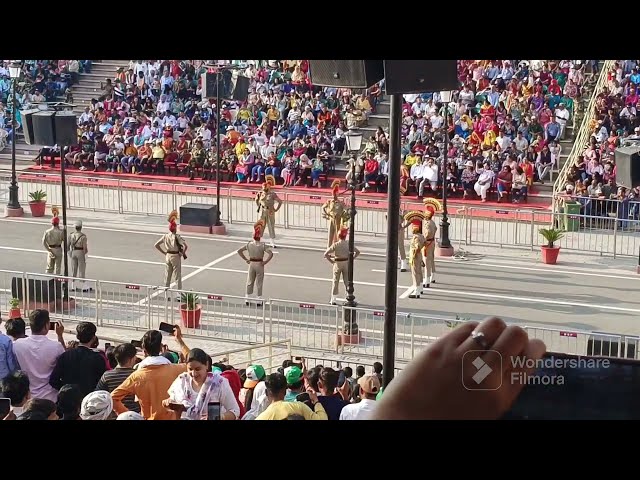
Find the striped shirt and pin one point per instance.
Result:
(113, 379)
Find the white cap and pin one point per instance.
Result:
(130, 416)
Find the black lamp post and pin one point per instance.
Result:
(354, 142)
(14, 204)
(445, 242)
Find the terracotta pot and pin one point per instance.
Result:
(190, 318)
(38, 208)
(15, 313)
(550, 255)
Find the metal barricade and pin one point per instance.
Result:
(573, 342)
(308, 325)
(304, 211)
(270, 355)
(93, 193)
(137, 197)
(220, 317)
(57, 294)
(202, 194)
(31, 182)
(124, 305)
(367, 364)
(10, 282)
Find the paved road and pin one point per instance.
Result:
(520, 293)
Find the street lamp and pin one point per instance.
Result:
(354, 142)
(14, 205)
(445, 249)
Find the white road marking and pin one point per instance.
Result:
(407, 292)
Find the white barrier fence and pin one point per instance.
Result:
(306, 326)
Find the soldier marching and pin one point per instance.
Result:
(256, 261)
(268, 204)
(415, 252)
(429, 230)
(338, 255)
(334, 210)
(174, 249)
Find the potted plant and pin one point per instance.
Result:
(38, 203)
(14, 310)
(550, 251)
(190, 310)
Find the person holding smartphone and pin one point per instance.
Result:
(278, 409)
(192, 391)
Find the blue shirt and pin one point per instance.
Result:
(8, 360)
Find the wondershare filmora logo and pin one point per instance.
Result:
(476, 369)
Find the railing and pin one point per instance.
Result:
(226, 318)
(270, 355)
(582, 137)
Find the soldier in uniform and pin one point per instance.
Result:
(338, 255)
(268, 204)
(52, 241)
(78, 249)
(401, 250)
(429, 229)
(174, 248)
(415, 252)
(256, 250)
(334, 211)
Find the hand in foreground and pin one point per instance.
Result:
(434, 386)
(177, 333)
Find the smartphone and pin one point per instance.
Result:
(571, 387)
(136, 343)
(341, 379)
(297, 359)
(166, 327)
(213, 411)
(53, 326)
(5, 407)
(107, 346)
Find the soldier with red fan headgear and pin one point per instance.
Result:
(334, 211)
(338, 255)
(256, 261)
(268, 204)
(415, 252)
(174, 249)
(429, 229)
(52, 241)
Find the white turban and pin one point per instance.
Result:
(96, 406)
(130, 416)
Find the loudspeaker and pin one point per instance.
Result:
(43, 128)
(43, 291)
(66, 131)
(241, 88)
(346, 73)
(209, 87)
(420, 76)
(628, 166)
(199, 215)
(27, 125)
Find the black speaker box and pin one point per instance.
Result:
(209, 87)
(43, 128)
(44, 291)
(241, 88)
(420, 76)
(346, 73)
(199, 215)
(66, 131)
(628, 166)
(27, 125)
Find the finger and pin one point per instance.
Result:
(459, 334)
(491, 329)
(511, 343)
(533, 350)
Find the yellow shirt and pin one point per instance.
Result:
(244, 114)
(158, 152)
(281, 410)
(273, 114)
(410, 160)
(240, 146)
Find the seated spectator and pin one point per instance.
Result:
(8, 362)
(69, 402)
(151, 381)
(39, 409)
(369, 388)
(125, 355)
(15, 387)
(82, 365)
(276, 385)
(332, 402)
(130, 416)
(254, 392)
(37, 355)
(191, 391)
(97, 405)
(295, 383)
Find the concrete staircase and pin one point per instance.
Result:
(89, 85)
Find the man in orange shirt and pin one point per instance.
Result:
(151, 381)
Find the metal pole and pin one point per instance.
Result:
(64, 209)
(445, 242)
(350, 326)
(13, 188)
(393, 220)
(218, 78)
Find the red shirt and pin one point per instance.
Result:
(371, 166)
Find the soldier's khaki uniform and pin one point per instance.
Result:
(52, 240)
(172, 244)
(402, 252)
(267, 203)
(415, 261)
(333, 211)
(340, 251)
(429, 228)
(78, 248)
(255, 275)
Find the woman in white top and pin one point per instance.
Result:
(192, 391)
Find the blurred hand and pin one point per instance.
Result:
(59, 329)
(432, 386)
(312, 395)
(177, 333)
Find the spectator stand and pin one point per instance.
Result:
(589, 188)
